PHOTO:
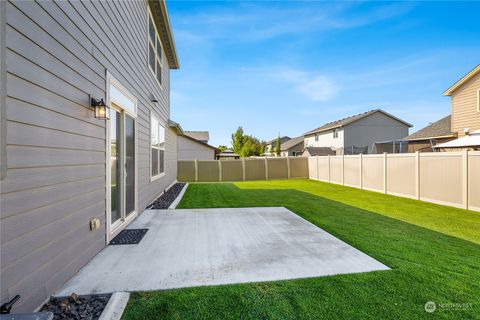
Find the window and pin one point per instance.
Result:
(157, 132)
(154, 50)
(317, 135)
(335, 133)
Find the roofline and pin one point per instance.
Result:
(176, 126)
(168, 42)
(355, 120)
(282, 149)
(462, 81)
(453, 135)
(198, 141)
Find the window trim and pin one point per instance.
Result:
(335, 133)
(160, 124)
(158, 60)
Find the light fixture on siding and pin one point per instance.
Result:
(102, 111)
(153, 97)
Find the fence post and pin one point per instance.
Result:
(417, 174)
(219, 170)
(465, 178)
(328, 168)
(384, 172)
(343, 169)
(196, 170)
(316, 168)
(288, 167)
(243, 169)
(266, 168)
(361, 170)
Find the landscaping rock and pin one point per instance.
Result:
(77, 307)
(73, 297)
(166, 199)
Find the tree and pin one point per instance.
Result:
(245, 145)
(277, 146)
(222, 148)
(262, 147)
(238, 140)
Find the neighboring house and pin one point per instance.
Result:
(318, 151)
(270, 146)
(58, 177)
(192, 149)
(424, 139)
(292, 147)
(202, 136)
(356, 133)
(465, 95)
(228, 154)
(465, 120)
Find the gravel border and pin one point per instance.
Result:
(179, 198)
(77, 307)
(167, 198)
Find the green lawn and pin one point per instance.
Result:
(433, 250)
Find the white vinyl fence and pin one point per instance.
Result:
(448, 178)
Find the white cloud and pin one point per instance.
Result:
(249, 22)
(313, 86)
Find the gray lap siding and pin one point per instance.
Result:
(57, 53)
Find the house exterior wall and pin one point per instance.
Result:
(326, 139)
(465, 113)
(375, 127)
(293, 151)
(57, 53)
(191, 150)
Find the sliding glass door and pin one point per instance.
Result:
(122, 167)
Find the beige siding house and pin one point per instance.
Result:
(270, 146)
(292, 147)
(61, 167)
(465, 95)
(192, 149)
(357, 133)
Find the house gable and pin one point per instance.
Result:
(374, 128)
(465, 105)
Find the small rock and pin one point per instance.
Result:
(73, 297)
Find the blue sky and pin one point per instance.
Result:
(288, 67)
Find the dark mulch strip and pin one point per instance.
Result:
(166, 199)
(129, 236)
(77, 307)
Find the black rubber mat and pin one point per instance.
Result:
(129, 236)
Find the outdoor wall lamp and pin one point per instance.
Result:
(102, 111)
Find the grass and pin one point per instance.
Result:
(433, 250)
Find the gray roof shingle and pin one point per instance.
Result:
(199, 135)
(441, 128)
(291, 143)
(348, 120)
(318, 151)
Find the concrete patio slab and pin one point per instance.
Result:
(195, 247)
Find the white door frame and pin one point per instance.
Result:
(113, 230)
